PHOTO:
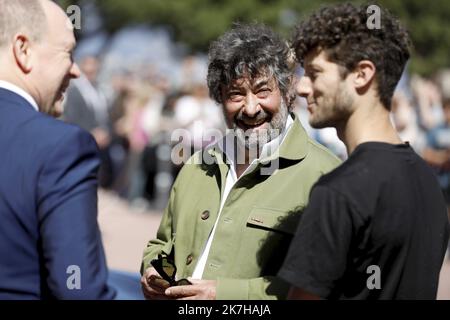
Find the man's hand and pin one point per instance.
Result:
(199, 290)
(153, 286)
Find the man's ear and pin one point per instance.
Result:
(22, 52)
(291, 95)
(364, 74)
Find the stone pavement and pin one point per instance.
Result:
(126, 231)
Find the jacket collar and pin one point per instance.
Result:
(13, 89)
(294, 146)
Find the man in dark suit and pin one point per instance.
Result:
(50, 243)
(86, 106)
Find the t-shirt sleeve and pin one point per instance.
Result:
(317, 257)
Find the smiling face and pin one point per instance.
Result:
(329, 97)
(53, 67)
(255, 110)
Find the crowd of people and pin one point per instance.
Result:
(135, 117)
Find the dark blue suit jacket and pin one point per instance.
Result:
(48, 207)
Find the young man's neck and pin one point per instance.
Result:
(370, 122)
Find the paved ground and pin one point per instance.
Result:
(126, 232)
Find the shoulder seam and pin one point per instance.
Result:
(341, 195)
(323, 148)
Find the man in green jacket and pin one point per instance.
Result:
(234, 206)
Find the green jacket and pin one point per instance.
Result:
(257, 221)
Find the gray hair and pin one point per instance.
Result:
(250, 50)
(25, 16)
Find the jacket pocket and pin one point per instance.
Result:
(274, 220)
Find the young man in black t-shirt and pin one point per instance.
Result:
(376, 227)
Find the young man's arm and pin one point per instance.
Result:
(317, 257)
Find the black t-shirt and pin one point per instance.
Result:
(381, 209)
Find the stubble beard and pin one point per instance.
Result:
(254, 140)
(334, 110)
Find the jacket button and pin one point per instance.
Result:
(189, 259)
(205, 215)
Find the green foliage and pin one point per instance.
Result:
(429, 25)
(198, 22)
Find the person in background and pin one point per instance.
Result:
(437, 152)
(86, 106)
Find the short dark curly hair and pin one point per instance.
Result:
(251, 50)
(343, 33)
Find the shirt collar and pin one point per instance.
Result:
(12, 87)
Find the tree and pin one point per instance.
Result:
(198, 22)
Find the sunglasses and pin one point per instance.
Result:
(167, 270)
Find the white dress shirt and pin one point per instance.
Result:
(231, 180)
(12, 87)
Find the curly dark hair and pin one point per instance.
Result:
(343, 33)
(251, 50)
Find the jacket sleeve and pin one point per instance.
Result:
(71, 243)
(164, 238)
